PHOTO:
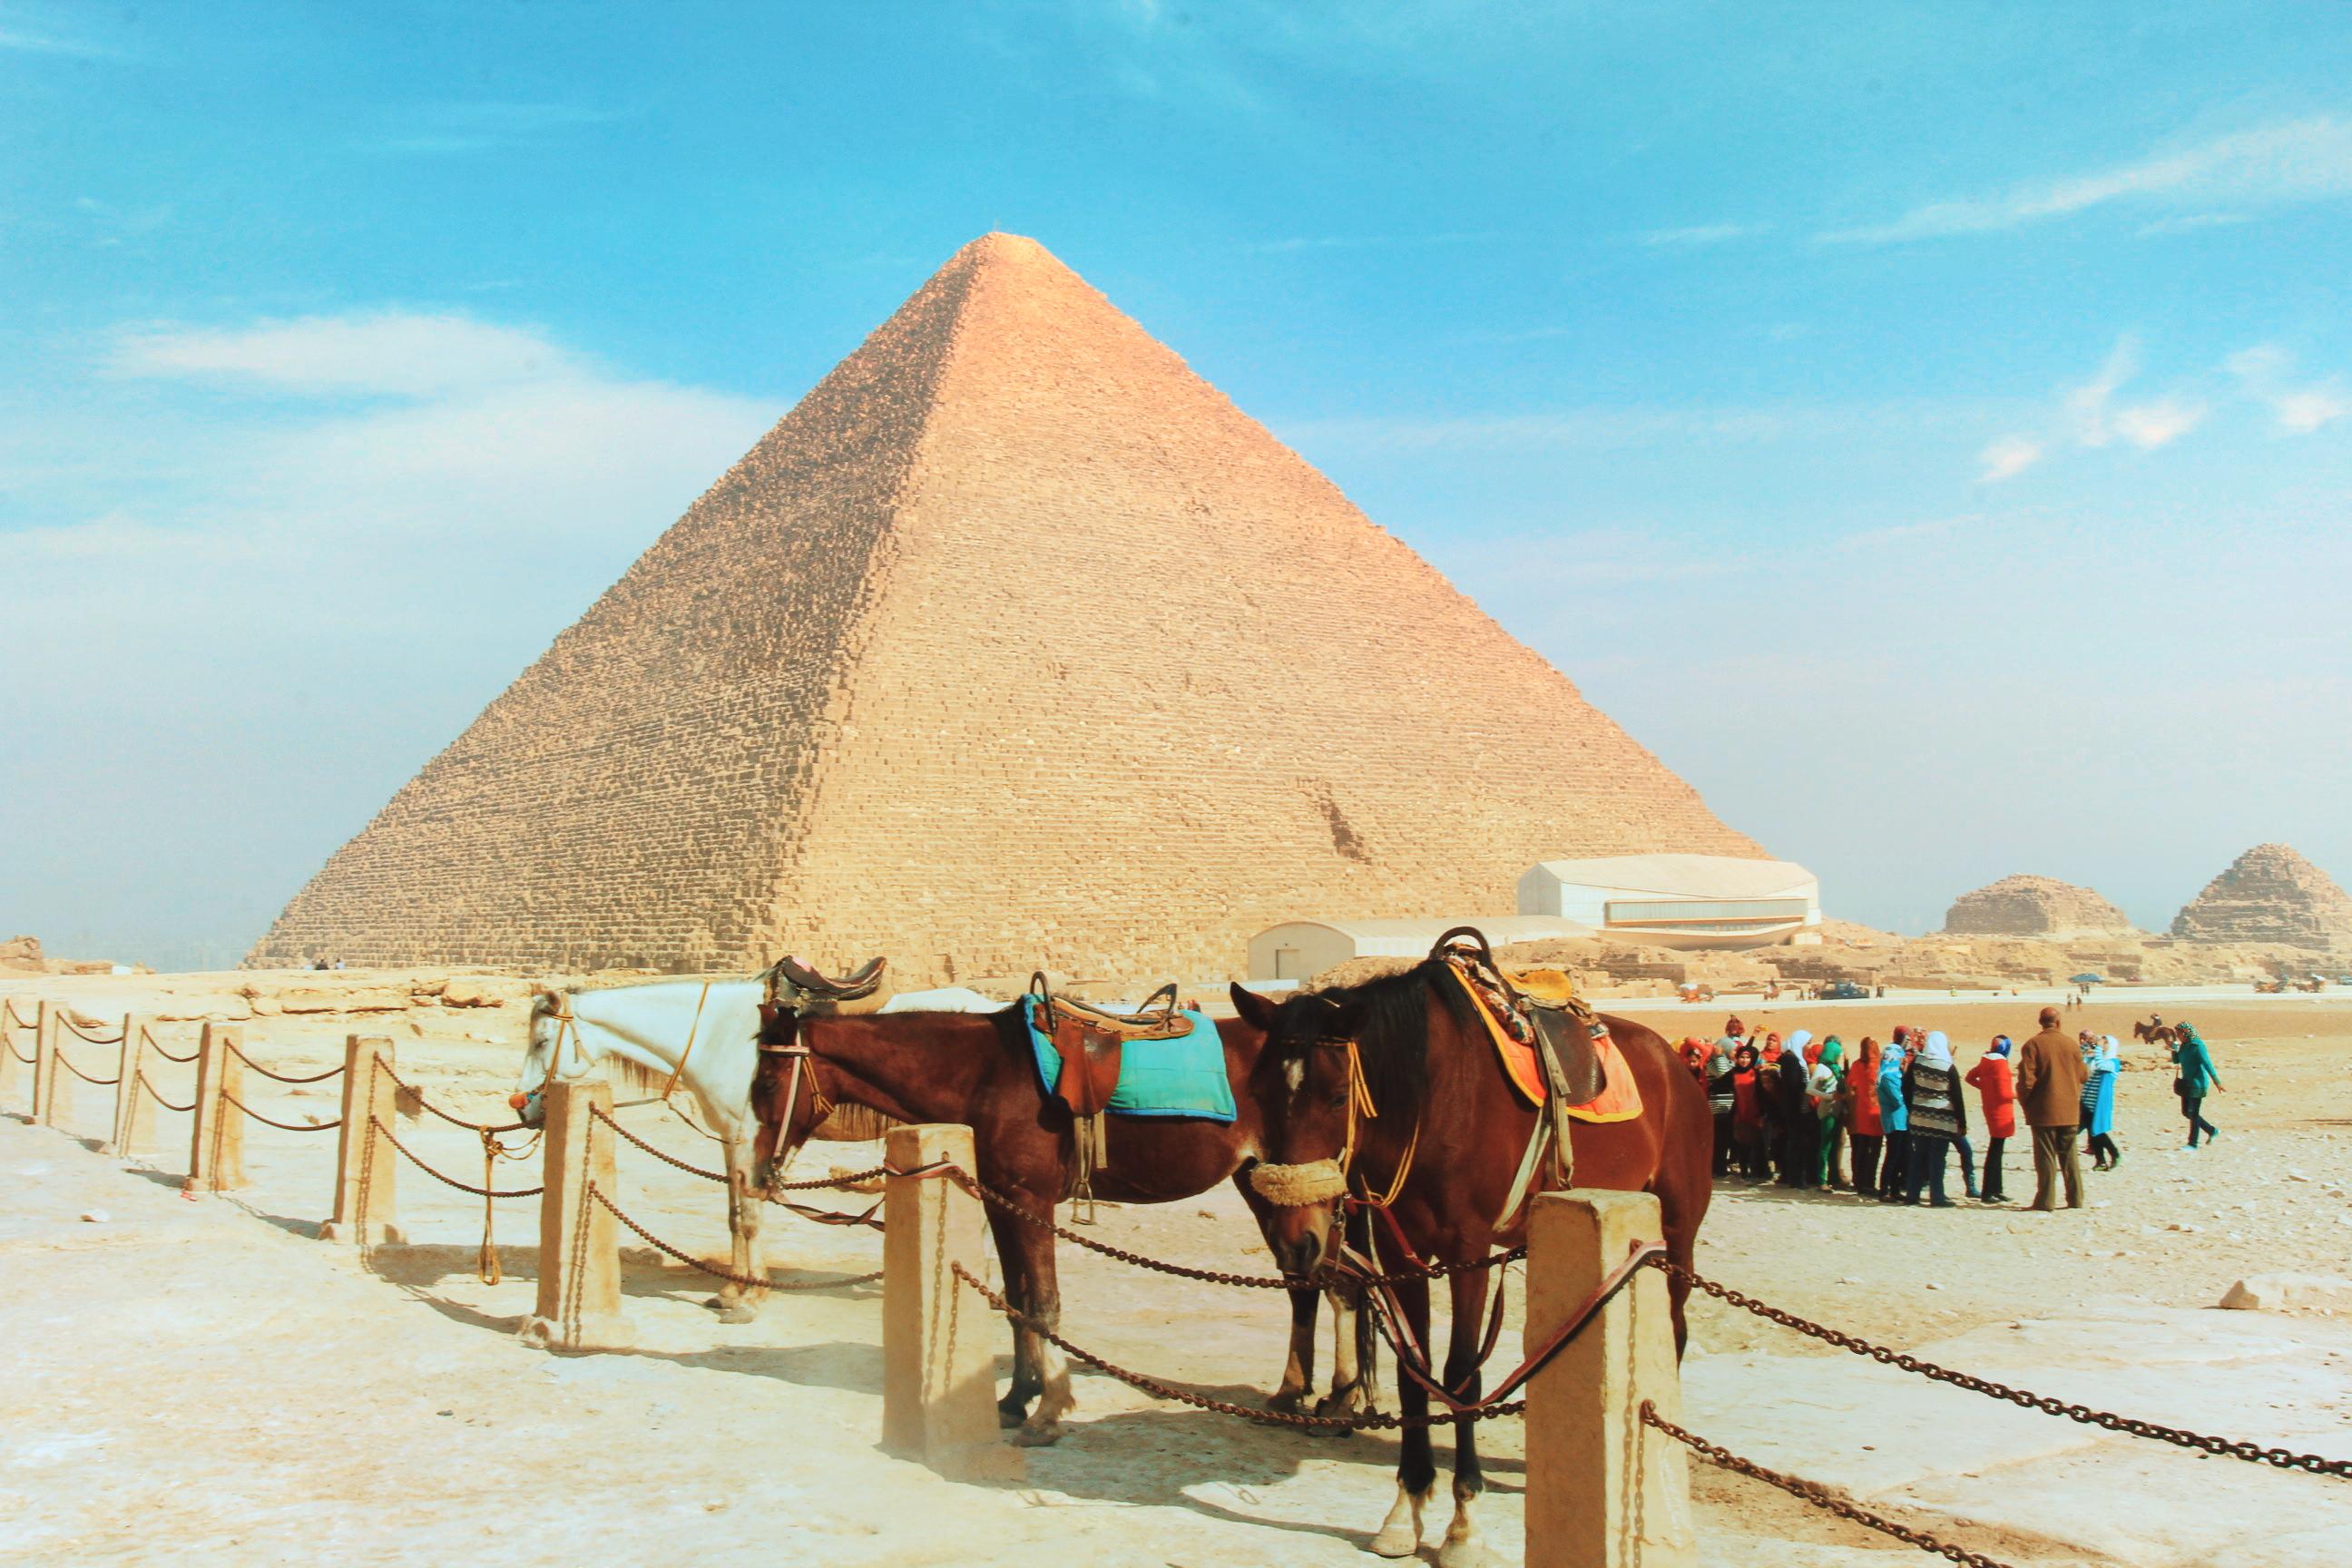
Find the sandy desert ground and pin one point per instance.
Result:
(204, 1381)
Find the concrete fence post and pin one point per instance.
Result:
(1603, 1491)
(579, 1240)
(52, 1085)
(7, 1049)
(134, 1113)
(939, 1338)
(366, 1206)
(216, 1147)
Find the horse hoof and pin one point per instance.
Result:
(1008, 1416)
(1345, 1403)
(1037, 1436)
(1396, 1540)
(1287, 1402)
(738, 1312)
(1465, 1554)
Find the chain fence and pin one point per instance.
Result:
(66, 1062)
(156, 1095)
(276, 1077)
(1819, 1496)
(682, 1256)
(281, 1126)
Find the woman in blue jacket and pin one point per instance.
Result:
(2099, 1103)
(1895, 1113)
(2193, 1075)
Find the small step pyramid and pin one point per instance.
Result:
(1015, 644)
(2271, 893)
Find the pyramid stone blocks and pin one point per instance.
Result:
(1015, 644)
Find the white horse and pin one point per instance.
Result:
(694, 1040)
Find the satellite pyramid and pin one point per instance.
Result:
(1015, 644)
(2270, 893)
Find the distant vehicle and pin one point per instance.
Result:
(2269, 987)
(1844, 991)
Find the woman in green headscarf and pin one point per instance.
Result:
(2193, 1076)
(1825, 1090)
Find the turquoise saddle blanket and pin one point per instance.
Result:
(1180, 1077)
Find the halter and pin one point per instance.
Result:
(568, 1022)
(802, 1054)
(1320, 1181)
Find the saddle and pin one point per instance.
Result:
(795, 984)
(1542, 1011)
(1092, 1043)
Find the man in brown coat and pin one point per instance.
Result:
(2050, 1076)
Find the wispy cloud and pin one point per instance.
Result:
(2265, 373)
(1632, 427)
(2304, 160)
(1703, 234)
(2089, 417)
(2007, 457)
(17, 39)
(444, 129)
(391, 353)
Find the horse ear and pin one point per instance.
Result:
(1256, 1011)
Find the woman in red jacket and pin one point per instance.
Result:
(1747, 1114)
(1996, 1084)
(1865, 1127)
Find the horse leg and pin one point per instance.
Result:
(1298, 1370)
(737, 1303)
(1399, 1534)
(1055, 1398)
(1462, 1548)
(1355, 1347)
(1015, 1406)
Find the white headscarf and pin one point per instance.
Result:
(1937, 1052)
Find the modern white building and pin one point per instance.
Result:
(1679, 901)
(1298, 948)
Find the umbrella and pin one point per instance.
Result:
(2086, 979)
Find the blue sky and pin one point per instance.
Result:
(1929, 429)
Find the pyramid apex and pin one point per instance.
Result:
(998, 246)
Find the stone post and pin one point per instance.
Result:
(216, 1147)
(939, 1338)
(8, 1049)
(134, 1112)
(52, 1085)
(579, 1240)
(1603, 1491)
(366, 1162)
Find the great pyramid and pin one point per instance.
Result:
(2271, 893)
(1015, 644)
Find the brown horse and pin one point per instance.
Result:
(1429, 1071)
(2159, 1034)
(979, 1068)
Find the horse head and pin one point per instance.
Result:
(543, 1059)
(787, 1102)
(1308, 1082)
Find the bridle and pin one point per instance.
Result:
(567, 1022)
(801, 1054)
(1320, 1181)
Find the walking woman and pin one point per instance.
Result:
(1864, 1125)
(1748, 1113)
(2193, 1075)
(1996, 1086)
(1895, 1167)
(1939, 1117)
(1825, 1090)
(2099, 1104)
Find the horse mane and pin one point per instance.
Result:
(626, 1072)
(1392, 1031)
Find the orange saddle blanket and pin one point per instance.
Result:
(1620, 1098)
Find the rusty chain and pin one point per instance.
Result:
(282, 1126)
(79, 1033)
(12, 1047)
(2285, 1459)
(149, 1042)
(729, 1274)
(155, 1096)
(1378, 1420)
(1820, 1496)
(665, 1158)
(416, 1098)
(1021, 1211)
(481, 1192)
(279, 1077)
(66, 1062)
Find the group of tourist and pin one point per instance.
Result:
(1792, 1109)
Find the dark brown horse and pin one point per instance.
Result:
(1434, 1086)
(979, 1068)
(2160, 1034)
